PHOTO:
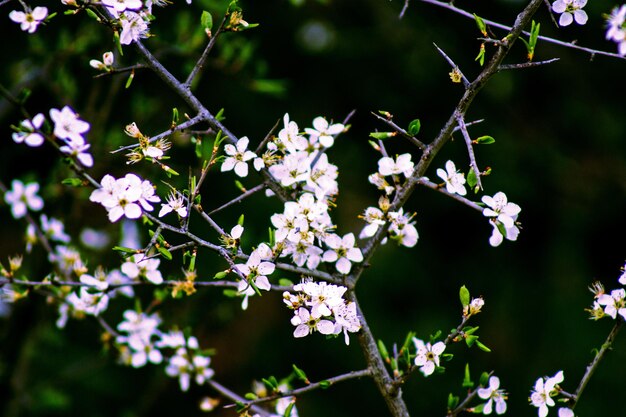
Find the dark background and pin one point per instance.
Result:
(559, 154)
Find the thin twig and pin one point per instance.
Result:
(239, 198)
(470, 149)
(237, 398)
(424, 181)
(115, 71)
(454, 66)
(205, 54)
(404, 9)
(401, 131)
(526, 64)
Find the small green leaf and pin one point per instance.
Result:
(230, 293)
(129, 81)
(464, 296)
(485, 140)
(467, 381)
(481, 24)
(481, 55)
(220, 275)
(414, 127)
(206, 20)
(453, 401)
(288, 410)
(383, 350)
(325, 384)
(470, 340)
(72, 182)
(271, 383)
(482, 347)
(470, 330)
(484, 379)
(478, 409)
(240, 186)
(240, 220)
(124, 249)
(285, 282)
(166, 254)
(472, 180)
(300, 374)
(382, 135)
(250, 396)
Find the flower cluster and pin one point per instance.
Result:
(616, 28)
(320, 307)
(140, 341)
(67, 127)
(23, 197)
(570, 10)
(543, 392)
(454, 180)
(125, 197)
(401, 227)
(502, 215)
(612, 304)
(255, 272)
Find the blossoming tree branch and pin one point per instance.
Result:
(292, 164)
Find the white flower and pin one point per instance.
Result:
(402, 165)
(545, 388)
(77, 147)
(616, 31)
(118, 6)
(374, 218)
(28, 134)
(499, 208)
(493, 394)
(346, 320)
(427, 357)
(133, 28)
(238, 157)
(140, 266)
(570, 11)
(306, 324)
(67, 125)
(566, 412)
(99, 284)
(342, 251)
(497, 237)
(29, 20)
(402, 228)
(294, 168)
(88, 303)
(175, 202)
(622, 278)
(323, 298)
(454, 180)
(324, 132)
(125, 197)
(22, 197)
(615, 303)
(54, 229)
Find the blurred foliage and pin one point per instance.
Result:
(560, 154)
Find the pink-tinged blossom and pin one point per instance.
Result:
(67, 125)
(22, 198)
(493, 394)
(615, 28)
(28, 131)
(125, 197)
(570, 10)
(133, 28)
(307, 324)
(29, 20)
(543, 391)
(342, 251)
(615, 303)
(77, 148)
(118, 6)
(453, 179)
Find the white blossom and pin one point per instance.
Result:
(544, 389)
(342, 251)
(29, 20)
(570, 10)
(427, 356)
(324, 132)
(28, 131)
(401, 165)
(453, 179)
(238, 157)
(67, 125)
(138, 266)
(493, 394)
(134, 28)
(22, 198)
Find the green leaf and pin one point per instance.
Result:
(300, 374)
(72, 182)
(220, 275)
(206, 20)
(129, 81)
(382, 135)
(166, 254)
(124, 249)
(481, 24)
(478, 409)
(453, 401)
(470, 340)
(230, 293)
(472, 180)
(414, 127)
(240, 220)
(240, 186)
(325, 384)
(271, 383)
(467, 381)
(482, 347)
(289, 409)
(484, 379)
(481, 55)
(485, 140)
(464, 296)
(250, 396)
(285, 282)
(383, 350)
(470, 330)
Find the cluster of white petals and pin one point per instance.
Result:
(23, 197)
(70, 129)
(570, 10)
(125, 197)
(502, 215)
(320, 307)
(255, 272)
(616, 28)
(494, 395)
(545, 388)
(427, 356)
(29, 20)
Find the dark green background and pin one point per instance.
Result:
(559, 153)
